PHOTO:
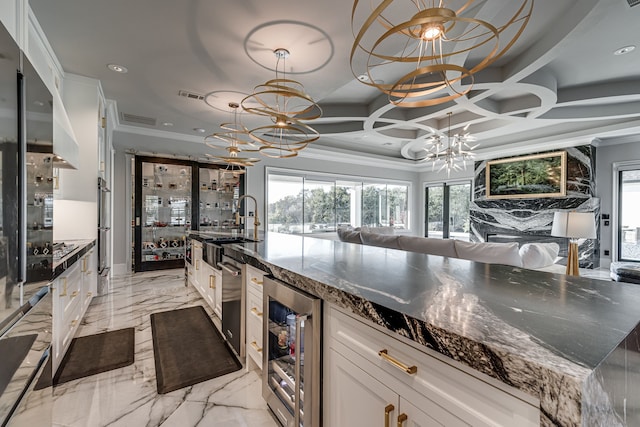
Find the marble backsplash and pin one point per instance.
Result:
(530, 220)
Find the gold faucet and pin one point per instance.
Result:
(256, 218)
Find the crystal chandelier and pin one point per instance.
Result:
(287, 106)
(427, 47)
(234, 139)
(450, 151)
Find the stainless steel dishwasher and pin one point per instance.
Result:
(233, 303)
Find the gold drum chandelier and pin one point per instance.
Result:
(287, 106)
(234, 139)
(424, 46)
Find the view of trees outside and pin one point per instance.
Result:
(435, 197)
(459, 199)
(314, 206)
(629, 218)
(285, 204)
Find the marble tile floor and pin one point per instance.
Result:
(127, 396)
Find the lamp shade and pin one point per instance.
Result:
(575, 225)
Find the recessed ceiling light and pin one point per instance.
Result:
(624, 50)
(363, 77)
(200, 130)
(117, 68)
(39, 103)
(387, 143)
(167, 124)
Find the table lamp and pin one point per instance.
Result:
(574, 225)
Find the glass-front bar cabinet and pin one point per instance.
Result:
(173, 197)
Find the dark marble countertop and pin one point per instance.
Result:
(550, 335)
(64, 263)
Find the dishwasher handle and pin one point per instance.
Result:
(232, 269)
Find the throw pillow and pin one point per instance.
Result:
(490, 253)
(538, 255)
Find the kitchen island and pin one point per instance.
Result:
(568, 342)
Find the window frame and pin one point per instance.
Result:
(337, 178)
(445, 185)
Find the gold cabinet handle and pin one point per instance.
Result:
(84, 264)
(197, 264)
(401, 419)
(74, 294)
(255, 281)
(408, 369)
(64, 287)
(74, 322)
(212, 281)
(190, 273)
(89, 294)
(256, 347)
(255, 311)
(387, 411)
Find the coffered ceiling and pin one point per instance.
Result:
(560, 84)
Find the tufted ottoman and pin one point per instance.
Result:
(625, 272)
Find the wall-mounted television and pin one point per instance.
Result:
(537, 175)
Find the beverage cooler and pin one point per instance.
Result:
(291, 360)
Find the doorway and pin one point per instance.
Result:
(447, 210)
(628, 218)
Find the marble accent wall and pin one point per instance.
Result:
(530, 220)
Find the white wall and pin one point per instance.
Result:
(121, 211)
(79, 188)
(608, 153)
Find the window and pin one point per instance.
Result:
(322, 203)
(447, 210)
(629, 220)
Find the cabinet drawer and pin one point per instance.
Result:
(255, 277)
(254, 325)
(254, 345)
(412, 372)
(254, 307)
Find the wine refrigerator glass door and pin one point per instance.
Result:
(163, 212)
(291, 368)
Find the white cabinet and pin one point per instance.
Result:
(208, 283)
(72, 293)
(254, 308)
(358, 399)
(89, 277)
(205, 279)
(196, 256)
(216, 289)
(366, 370)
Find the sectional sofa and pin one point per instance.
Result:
(541, 256)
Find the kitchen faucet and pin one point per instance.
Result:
(256, 219)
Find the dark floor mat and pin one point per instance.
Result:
(188, 349)
(90, 355)
(13, 350)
